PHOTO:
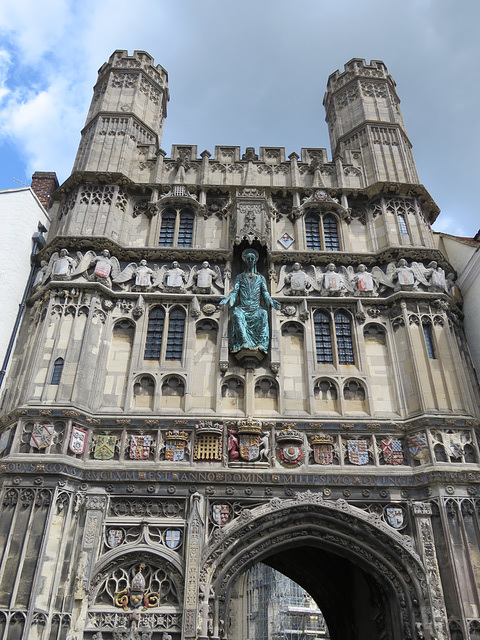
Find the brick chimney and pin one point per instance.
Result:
(44, 184)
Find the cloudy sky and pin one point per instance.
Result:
(248, 73)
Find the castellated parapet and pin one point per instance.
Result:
(365, 121)
(126, 116)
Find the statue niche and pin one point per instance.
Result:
(249, 330)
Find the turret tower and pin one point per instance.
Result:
(126, 115)
(363, 116)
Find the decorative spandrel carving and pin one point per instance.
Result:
(249, 323)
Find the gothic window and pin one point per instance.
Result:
(321, 232)
(323, 338)
(165, 334)
(353, 390)
(57, 371)
(402, 223)
(325, 390)
(343, 332)
(176, 328)
(427, 332)
(176, 227)
(153, 345)
(233, 388)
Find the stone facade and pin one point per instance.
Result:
(146, 466)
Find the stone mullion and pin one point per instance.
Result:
(61, 395)
(21, 560)
(457, 572)
(426, 543)
(464, 384)
(195, 534)
(6, 549)
(94, 517)
(60, 555)
(413, 357)
(31, 369)
(99, 363)
(393, 360)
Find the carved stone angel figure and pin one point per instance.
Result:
(204, 279)
(333, 283)
(60, 266)
(399, 276)
(172, 278)
(106, 267)
(141, 272)
(297, 282)
(361, 282)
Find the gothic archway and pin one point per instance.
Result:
(366, 577)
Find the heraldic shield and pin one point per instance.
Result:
(175, 445)
(249, 446)
(323, 449)
(104, 447)
(140, 447)
(220, 514)
(42, 436)
(392, 451)
(357, 451)
(78, 440)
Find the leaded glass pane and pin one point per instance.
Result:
(312, 231)
(323, 339)
(57, 371)
(330, 232)
(176, 328)
(344, 339)
(185, 231)
(402, 223)
(427, 332)
(167, 230)
(153, 343)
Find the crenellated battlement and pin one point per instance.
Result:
(140, 60)
(357, 67)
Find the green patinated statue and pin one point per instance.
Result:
(249, 328)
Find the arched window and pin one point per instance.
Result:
(323, 338)
(312, 230)
(57, 371)
(321, 232)
(176, 229)
(343, 332)
(176, 328)
(330, 232)
(185, 230)
(402, 223)
(153, 345)
(167, 230)
(427, 332)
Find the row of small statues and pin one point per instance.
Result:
(107, 270)
(398, 277)
(291, 281)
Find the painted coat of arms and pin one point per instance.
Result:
(140, 447)
(78, 440)
(42, 436)
(357, 451)
(392, 451)
(455, 444)
(323, 449)
(114, 537)
(395, 517)
(172, 538)
(249, 446)
(175, 442)
(220, 514)
(104, 447)
(290, 447)
(417, 445)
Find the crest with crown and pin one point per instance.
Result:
(321, 438)
(249, 426)
(289, 435)
(207, 427)
(176, 435)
